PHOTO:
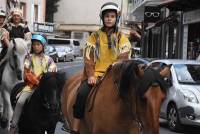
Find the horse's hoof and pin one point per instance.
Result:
(3, 123)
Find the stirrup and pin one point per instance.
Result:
(74, 132)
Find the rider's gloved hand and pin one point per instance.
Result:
(92, 80)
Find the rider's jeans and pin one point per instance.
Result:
(79, 106)
(19, 106)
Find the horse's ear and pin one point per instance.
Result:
(165, 71)
(141, 68)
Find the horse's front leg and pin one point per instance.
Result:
(7, 109)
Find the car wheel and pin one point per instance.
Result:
(173, 118)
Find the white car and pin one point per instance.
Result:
(182, 104)
(65, 53)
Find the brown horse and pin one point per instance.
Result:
(124, 102)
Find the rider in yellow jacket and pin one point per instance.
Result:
(103, 48)
(35, 65)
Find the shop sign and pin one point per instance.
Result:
(191, 17)
(43, 27)
(151, 14)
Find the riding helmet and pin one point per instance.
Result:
(109, 6)
(2, 13)
(41, 38)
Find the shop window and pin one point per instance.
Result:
(193, 41)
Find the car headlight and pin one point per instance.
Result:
(189, 96)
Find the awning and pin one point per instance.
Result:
(181, 5)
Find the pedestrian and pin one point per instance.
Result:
(35, 65)
(103, 48)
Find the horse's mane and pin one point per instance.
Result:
(127, 79)
(50, 78)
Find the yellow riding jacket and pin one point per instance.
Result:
(35, 66)
(98, 56)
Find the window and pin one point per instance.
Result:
(78, 35)
(23, 8)
(58, 42)
(36, 13)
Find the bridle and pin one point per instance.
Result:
(13, 67)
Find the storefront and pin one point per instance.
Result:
(162, 39)
(191, 24)
(177, 34)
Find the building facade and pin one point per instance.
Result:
(77, 19)
(33, 10)
(175, 34)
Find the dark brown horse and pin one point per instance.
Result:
(126, 101)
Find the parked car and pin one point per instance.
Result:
(69, 53)
(73, 43)
(182, 103)
(143, 62)
(51, 51)
(65, 53)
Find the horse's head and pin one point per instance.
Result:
(18, 50)
(142, 92)
(150, 94)
(49, 90)
(127, 75)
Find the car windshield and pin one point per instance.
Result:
(188, 74)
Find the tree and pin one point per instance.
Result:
(51, 8)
